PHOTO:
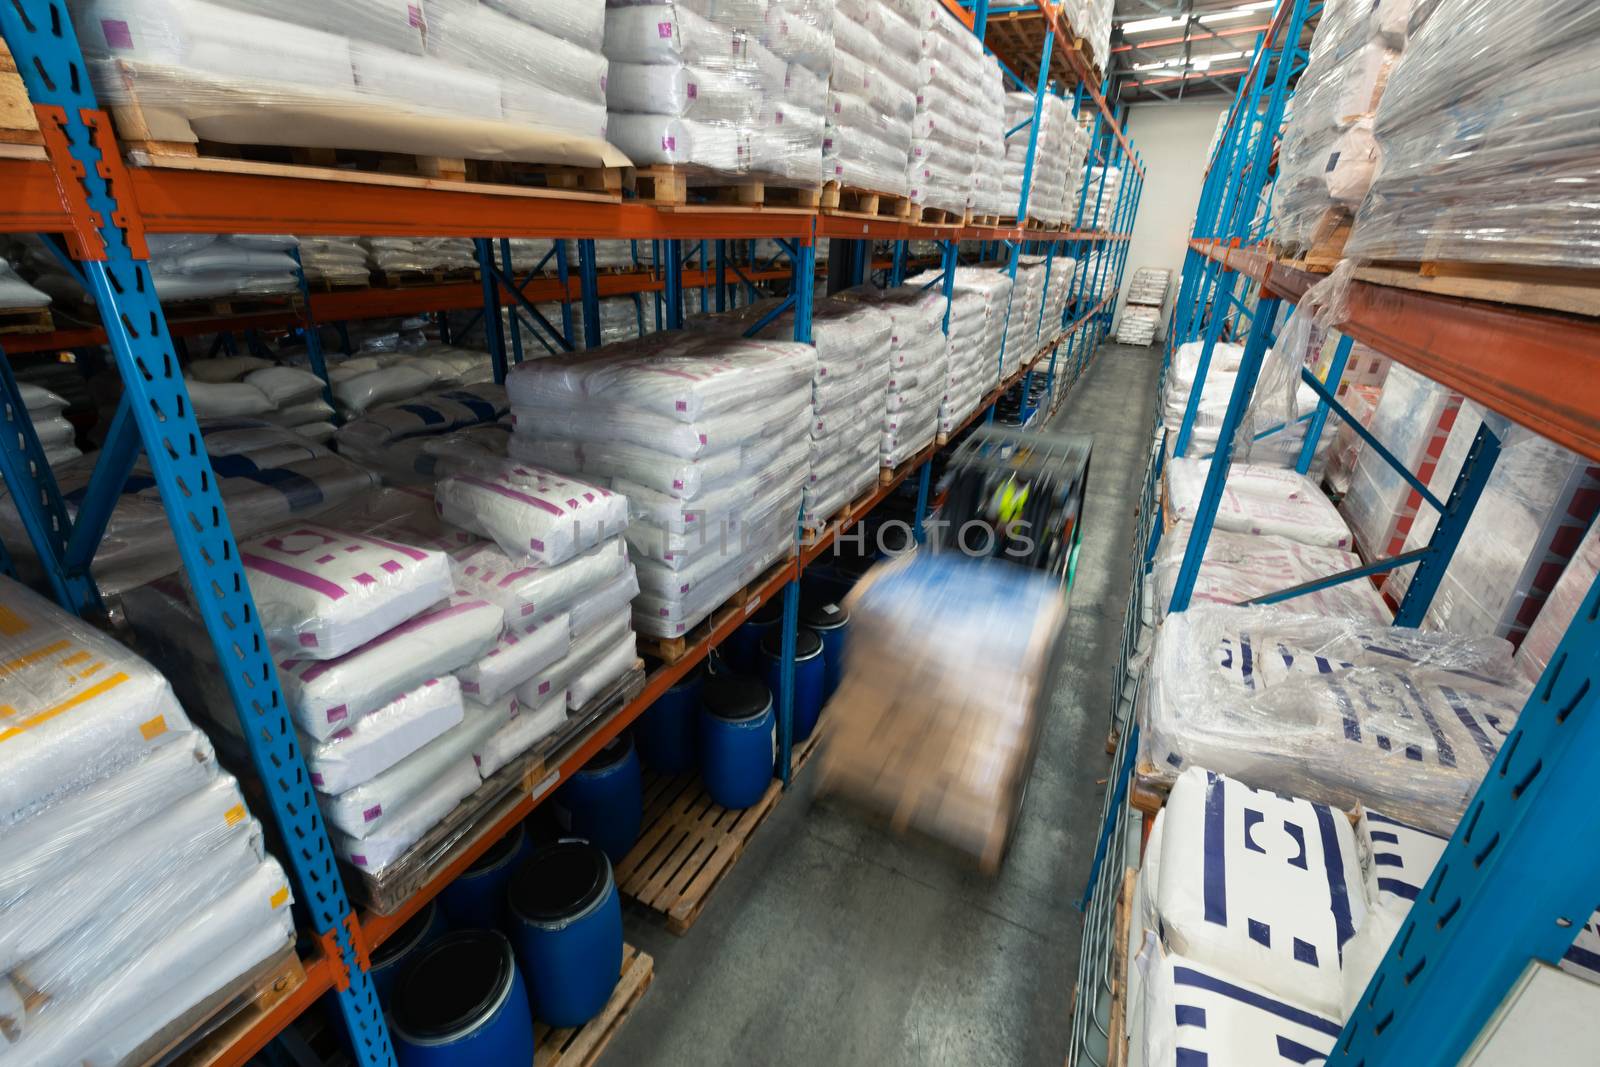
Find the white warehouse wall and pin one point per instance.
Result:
(1172, 139)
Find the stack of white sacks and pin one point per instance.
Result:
(16, 293)
(1280, 449)
(134, 881)
(420, 441)
(252, 387)
(1091, 19)
(1057, 161)
(55, 433)
(1023, 332)
(853, 346)
(267, 475)
(1254, 953)
(1057, 291)
(398, 255)
(191, 266)
(986, 195)
(977, 327)
(946, 135)
(733, 90)
(1138, 323)
(334, 260)
(517, 80)
(707, 435)
(1100, 198)
(917, 367)
(363, 382)
(872, 98)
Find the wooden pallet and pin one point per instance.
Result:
(206, 1033)
(987, 220)
(924, 215)
(26, 320)
(410, 279)
(691, 188)
(223, 306)
(18, 124)
(838, 199)
(743, 601)
(581, 1047)
(335, 285)
(689, 843)
(1117, 1052)
(1555, 288)
(1328, 236)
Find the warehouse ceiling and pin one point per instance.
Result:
(1167, 50)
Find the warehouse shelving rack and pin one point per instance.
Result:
(1483, 917)
(78, 186)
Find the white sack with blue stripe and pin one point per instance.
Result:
(1263, 886)
(1341, 711)
(1197, 1015)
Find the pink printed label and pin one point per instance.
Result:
(665, 30)
(308, 640)
(372, 813)
(338, 714)
(359, 860)
(316, 779)
(682, 405)
(544, 687)
(669, 143)
(693, 91)
(117, 33)
(414, 15)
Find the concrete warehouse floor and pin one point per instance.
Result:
(835, 943)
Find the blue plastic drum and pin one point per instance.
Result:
(738, 739)
(667, 734)
(832, 624)
(391, 956)
(810, 676)
(477, 899)
(742, 650)
(460, 1003)
(567, 924)
(604, 802)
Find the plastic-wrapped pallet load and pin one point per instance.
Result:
(16, 293)
(1537, 500)
(1484, 130)
(1328, 154)
(1022, 325)
(945, 137)
(1149, 286)
(871, 98)
(1057, 161)
(945, 742)
(1057, 289)
(1241, 566)
(986, 191)
(1200, 1014)
(707, 435)
(1101, 197)
(403, 255)
(917, 368)
(1257, 500)
(1413, 420)
(731, 90)
(1336, 710)
(358, 74)
(267, 475)
(133, 878)
(195, 266)
(1278, 449)
(334, 261)
(1137, 326)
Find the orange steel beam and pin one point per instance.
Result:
(1539, 368)
(1181, 40)
(963, 16)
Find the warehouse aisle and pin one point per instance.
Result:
(832, 942)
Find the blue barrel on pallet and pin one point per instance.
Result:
(567, 924)
(391, 957)
(810, 676)
(462, 1002)
(832, 623)
(742, 650)
(738, 739)
(604, 801)
(668, 733)
(477, 899)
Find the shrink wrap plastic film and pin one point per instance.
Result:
(871, 98)
(1536, 499)
(1057, 162)
(524, 726)
(530, 512)
(1195, 1010)
(950, 64)
(267, 475)
(1561, 607)
(192, 266)
(964, 725)
(1257, 500)
(730, 89)
(1486, 128)
(121, 838)
(1335, 710)
(384, 75)
(706, 436)
(1328, 153)
(918, 365)
(385, 736)
(1238, 567)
